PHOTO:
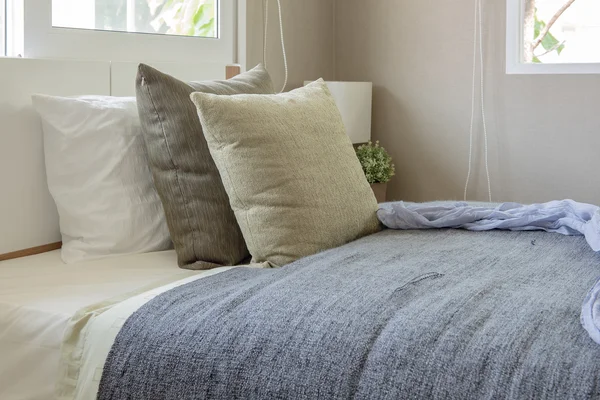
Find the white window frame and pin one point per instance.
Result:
(515, 64)
(42, 40)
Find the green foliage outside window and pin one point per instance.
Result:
(537, 32)
(549, 42)
(170, 17)
(184, 17)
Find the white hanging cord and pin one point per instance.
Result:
(478, 25)
(472, 103)
(485, 134)
(266, 22)
(285, 64)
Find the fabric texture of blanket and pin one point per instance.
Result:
(437, 314)
(566, 217)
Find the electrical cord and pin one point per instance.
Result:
(478, 26)
(472, 104)
(285, 64)
(485, 133)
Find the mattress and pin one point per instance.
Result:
(40, 294)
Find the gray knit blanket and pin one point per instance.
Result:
(440, 314)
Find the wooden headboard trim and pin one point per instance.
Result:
(230, 71)
(31, 251)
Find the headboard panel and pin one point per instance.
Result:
(28, 216)
(124, 73)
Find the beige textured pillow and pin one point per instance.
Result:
(290, 171)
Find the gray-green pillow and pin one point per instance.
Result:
(202, 225)
(291, 173)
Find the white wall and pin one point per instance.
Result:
(308, 29)
(544, 130)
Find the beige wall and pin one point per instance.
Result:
(309, 33)
(544, 131)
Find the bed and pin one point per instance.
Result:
(416, 314)
(395, 314)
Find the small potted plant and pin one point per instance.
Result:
(377, 166)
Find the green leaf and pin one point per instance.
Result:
(539, 25)
(549, 41)
(199, 14)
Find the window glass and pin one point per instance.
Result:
(562, 31)
(165, 17)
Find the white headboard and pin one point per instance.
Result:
(28, 216)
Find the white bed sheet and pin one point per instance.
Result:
(87, 344)
(40, 294)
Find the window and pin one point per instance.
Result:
(553, 36)
(181, 31)
(169, 17)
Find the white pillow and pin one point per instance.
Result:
(99, 177)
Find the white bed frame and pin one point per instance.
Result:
(28, 216)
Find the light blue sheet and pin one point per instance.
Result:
(590, 313)
(566, 217)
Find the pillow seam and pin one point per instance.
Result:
(246, 209)
(176, 169)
